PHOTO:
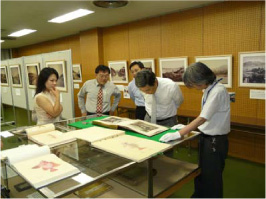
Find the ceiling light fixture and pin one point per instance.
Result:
(21, 33)
(70, 16)
(111, 4)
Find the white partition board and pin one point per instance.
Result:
(18, 93)
(6, 92)
(31, 91)
(66, 98)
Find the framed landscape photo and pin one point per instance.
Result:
(60, 67)
(221, 65)
(148, 63)
(252, 69)
(173, 68)
(76, 72)
(15, 76)
(118, 71)
(4, 77)
(33, 70)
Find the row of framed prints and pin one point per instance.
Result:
(251, 68)
(32, 71)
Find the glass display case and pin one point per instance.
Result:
(110, 175)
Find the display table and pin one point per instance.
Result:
(125, 177)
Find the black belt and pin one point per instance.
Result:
(162, 119)
(211, 136)
(105, 113)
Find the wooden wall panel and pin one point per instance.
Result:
(223, 28)
(116, 47)
(182, 36)
(145, 40)
(115, 43)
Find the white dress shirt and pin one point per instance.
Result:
(216, 110)
(91, 89)
(168, 99)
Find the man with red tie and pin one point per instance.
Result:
(98, 94)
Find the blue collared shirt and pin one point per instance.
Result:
(135, 94)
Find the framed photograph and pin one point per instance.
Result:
(4, 77)
(76, 71)
(60, 67)
(16, 76)
(252, 69)
(33, 70)
(221, 65)
(148, 63)
(173, 68)
(118, 71)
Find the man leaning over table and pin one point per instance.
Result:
(98, 94)
(162, 98)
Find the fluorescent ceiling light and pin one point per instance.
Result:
(2, 41)
(70, 16)
(21, 33)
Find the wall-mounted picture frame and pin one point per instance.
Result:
(15, 75)
(252, 69)
(60, 67)
(147, 62)
(173, 68)
(33, 70)
(76, 72)
(118, 71)
(4, 76)
(221, 65)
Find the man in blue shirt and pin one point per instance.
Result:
(134, 92)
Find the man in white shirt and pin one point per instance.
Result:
(214, 123)
(162, 93)
(99, 88)
(134, 91)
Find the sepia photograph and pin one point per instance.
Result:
(59, 66)
(76, 71)
(118, 71)
(4, 78)
(252, 69)
(16, 76)
(143, 126)
(148, 63)
(221, 65)
(173, 68)
(33, 71)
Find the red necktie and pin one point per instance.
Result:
(99, 107)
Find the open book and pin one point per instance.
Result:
(138, 126)
(38, 166)
(116, 142)
(47, 135)
(94, 134)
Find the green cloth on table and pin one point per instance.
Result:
(81, 125)
(88, 124)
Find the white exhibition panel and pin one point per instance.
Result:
(35, 59)
(6, 92)
(66, 97)
(18, 93)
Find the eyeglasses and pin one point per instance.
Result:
(103, 76)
